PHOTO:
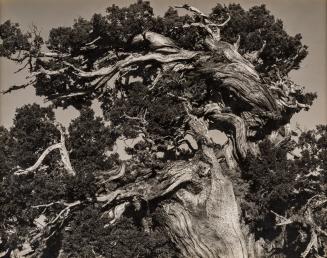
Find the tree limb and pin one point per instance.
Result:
(63, 153)
(39, 161)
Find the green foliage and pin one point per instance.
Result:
(134, 108)
(89, 236)
(84, 234)
(115, 30)
(160, 113)
(67, 39)
(89, 140)
(5, 158)
(283, 185)
(32, 132)
(257, 25)
(271, 178)
(13, 40)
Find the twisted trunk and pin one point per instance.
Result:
(204, 220)
(207, 224)
(200, 210)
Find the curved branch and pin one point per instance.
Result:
(63, 153)
(192, 9)
(39, 161)
(225, 22)
(114, 175)
(228, 123)
(211, 27)
(138, 58)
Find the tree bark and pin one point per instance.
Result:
(200, 211)
(207, 224)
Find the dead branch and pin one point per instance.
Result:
(107, 73)
(18, 87)
(224, 23)
(313, 244)
(281, 219)
(233, 124)
(39, 161)
(63, 153)
(237, 43)
(138, 58)
(115, 174)
(46, 205)
(254, 55)
(211, 27)
(193, 10)
(114, 214)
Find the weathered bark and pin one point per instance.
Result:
(207, 224)
(196, 196)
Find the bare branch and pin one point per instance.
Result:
(50, 72)
(46, 205)
(53, 54)
(18, 87)
(93, 41)
(63, 153)
(211, 27)
(107, 73)
(238, 41)
(225, 22)
(137, 58)
(282, 220)
(63, 213)
(115, 213)
(121, 172)
(313, 243)
(254, 55)
(193, 10)
(39, 161)
(235, 124)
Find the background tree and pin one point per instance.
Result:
(168, 81)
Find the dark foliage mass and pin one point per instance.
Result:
(115, 30)
(32, 132)
(284, 183)
(87, 234)
(272, 186)
(272, 182)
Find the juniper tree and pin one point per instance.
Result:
(167, 81)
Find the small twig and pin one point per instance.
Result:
(284, 220)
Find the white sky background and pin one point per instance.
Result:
(307, 17)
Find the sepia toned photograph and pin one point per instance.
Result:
(163, 129)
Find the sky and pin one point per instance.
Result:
(307, 17)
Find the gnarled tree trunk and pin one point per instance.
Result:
(200, 211)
